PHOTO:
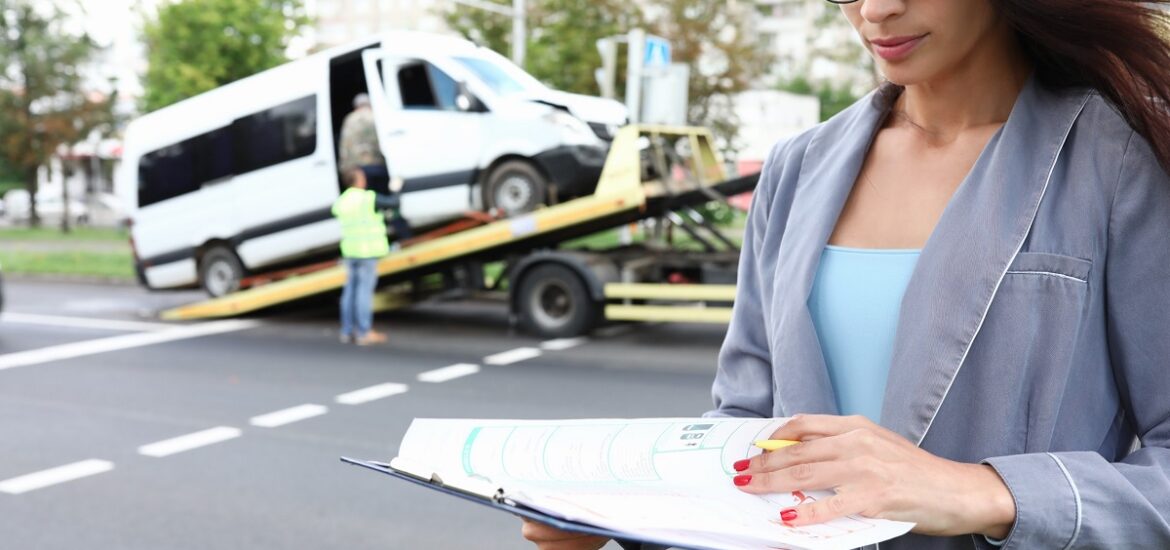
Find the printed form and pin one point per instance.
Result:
(666, 478)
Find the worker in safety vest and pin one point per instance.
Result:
(363, 243)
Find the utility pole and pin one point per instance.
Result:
(518, 12)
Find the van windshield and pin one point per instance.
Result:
(499, 79)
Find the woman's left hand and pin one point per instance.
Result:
(878, 474)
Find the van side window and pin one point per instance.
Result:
(424, 86)
(280, 134)
(167, 173)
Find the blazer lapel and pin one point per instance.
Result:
(831, 164)
(980, 232)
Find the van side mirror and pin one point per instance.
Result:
(466, 101)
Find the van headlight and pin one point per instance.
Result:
(575, 130)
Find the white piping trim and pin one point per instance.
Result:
(1076, 495)
(1049, 273)
(1020, 247)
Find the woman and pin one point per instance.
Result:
(974, 265)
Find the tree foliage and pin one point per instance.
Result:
(41, 88)
(562, 39)
(716, 39)
(196, 45)
(713, 37)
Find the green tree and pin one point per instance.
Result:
(834, 99)
(41, 90)
(857, 73)
(715, 38)
(196, 45)
(562, 40)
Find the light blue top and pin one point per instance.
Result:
(854, 303)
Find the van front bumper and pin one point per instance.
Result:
(573, 169)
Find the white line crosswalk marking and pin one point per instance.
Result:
(448, 373)
(561, 344)
(372, 393)
(116, 343)
(288, 416)
(187, 442)
(54, 476)
(512, 356)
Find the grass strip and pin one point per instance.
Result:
(76, 263)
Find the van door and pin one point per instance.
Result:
(427, 137)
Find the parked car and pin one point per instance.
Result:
(50, 208)
(240, 179)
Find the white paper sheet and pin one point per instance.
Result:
(669, 478)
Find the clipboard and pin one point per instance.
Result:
(498, 502)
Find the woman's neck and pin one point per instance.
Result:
(977, 92)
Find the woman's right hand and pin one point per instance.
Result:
(548, 537)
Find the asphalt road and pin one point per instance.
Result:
(93, 393)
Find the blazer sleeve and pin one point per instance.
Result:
(1080, 499)
(743, 381)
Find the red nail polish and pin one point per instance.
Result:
(741, 465)
(788, 515)
(742, 480)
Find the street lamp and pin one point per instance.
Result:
(519, 25)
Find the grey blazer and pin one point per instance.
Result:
(1034, 334)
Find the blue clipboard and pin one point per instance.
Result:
(516, 510)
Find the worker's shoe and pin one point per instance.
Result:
(345, 338)
(371, 338)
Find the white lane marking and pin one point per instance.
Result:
(561, 344)
(448, 373)
(53, 476)
(116, 343)
(365, 395)
(190, 441)
(288, 416)
(512, 356)
(82, 322)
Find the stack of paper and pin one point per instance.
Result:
(648, 479)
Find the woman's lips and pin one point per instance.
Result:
(892, 49)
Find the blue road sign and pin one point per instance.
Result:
(657, 52)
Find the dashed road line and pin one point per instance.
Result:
(562, 344)
(54, 476)
(82, 322)
(190, 441)
(117, 343)
(372, 393)
(288, 416)
(512, 356)
(448, 373)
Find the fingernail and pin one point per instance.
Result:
(742, 480)
(788, 515)
(741, 465)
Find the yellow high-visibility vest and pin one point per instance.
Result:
(363, 227)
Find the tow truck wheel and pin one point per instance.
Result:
(220, 271)
(554, 303)
(515, 187)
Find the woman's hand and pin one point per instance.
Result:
(878, 474)
(548, 537)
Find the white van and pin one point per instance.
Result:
(240, 179)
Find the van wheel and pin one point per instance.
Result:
(554, 303)
(515, 187)
(220, 271)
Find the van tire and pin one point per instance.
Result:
(220, 271)
(552, 302)
(515, 187)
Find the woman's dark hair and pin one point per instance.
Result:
(1121, 48)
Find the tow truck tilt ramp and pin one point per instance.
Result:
(634, 185)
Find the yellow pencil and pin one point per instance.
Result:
(774, 444)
